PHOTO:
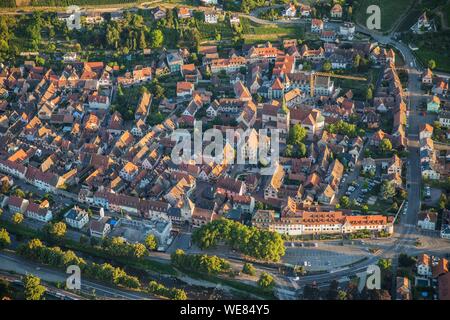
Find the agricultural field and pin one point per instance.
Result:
(252, 31)
(390, 11)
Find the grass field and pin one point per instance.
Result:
(358, 87)
(255, 32)
(442, 59)
(390, 11)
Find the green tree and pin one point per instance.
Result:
(342, 295)
(19, 193)
(33, 288)
(385, 145)
(139, 250)
(157, 38)
(369, 94)
(150, 242)
(356, 61)
(387, 190)
(58, 229)
(260, 244)
(17, 218)
(142, 42)
(297, 134)
(5, 240)
(259, 205)
(431, 64)
(326, 66)
(113, 36)
(442, 201)
(385, 264)
(301, 150)
(266, 281)
(289, 151)
(344, 202)
(249, 269)
(178, 294)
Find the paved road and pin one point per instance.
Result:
(55, 292)
(12, 262)
(414, 172)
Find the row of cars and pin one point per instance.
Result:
(359, 190)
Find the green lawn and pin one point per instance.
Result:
(358, 87)
(442, 58)
(255, 32)
(390, 11)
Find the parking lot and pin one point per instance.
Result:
(324, 257)
(431, 196)
(362, 189)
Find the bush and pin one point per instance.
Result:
(160, 290)
(266, 281)
(5, 240)
(249, 269)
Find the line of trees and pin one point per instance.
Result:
(253, 242)
(161, 290)
(8, 3)
(200, 262)
(118, 247)
(56, 257)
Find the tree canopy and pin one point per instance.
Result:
(260, 244)
(151, 242)
(5, 240)
(33, 288)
